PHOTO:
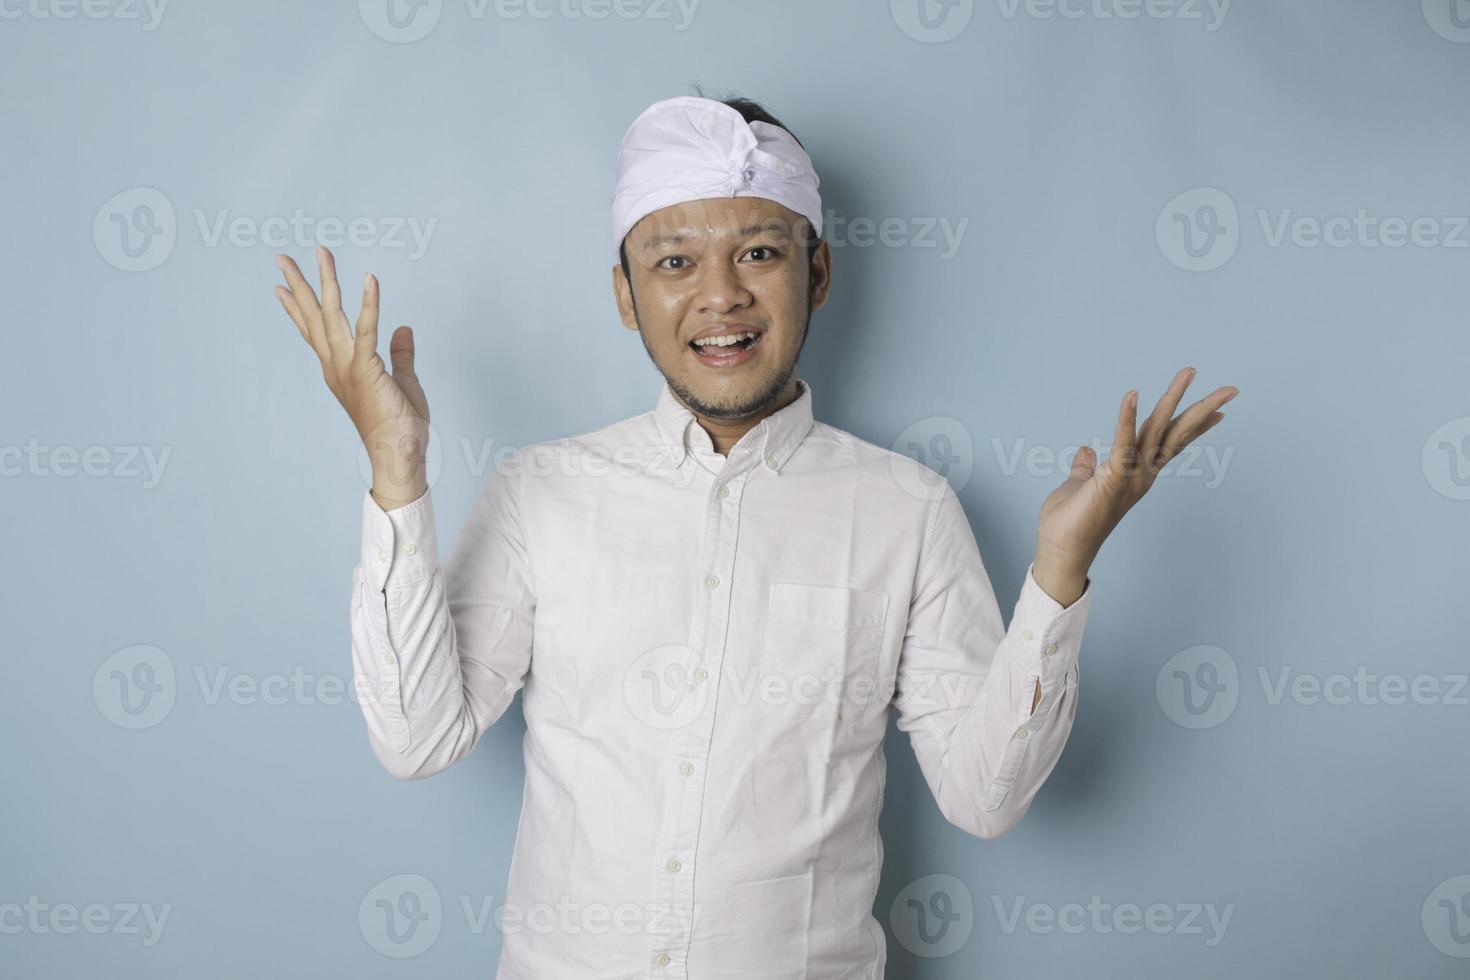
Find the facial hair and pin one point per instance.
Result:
(725, 412)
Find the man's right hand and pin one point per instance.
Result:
(389, 410)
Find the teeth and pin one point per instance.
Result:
(724, 340)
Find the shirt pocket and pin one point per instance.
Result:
(819, 662)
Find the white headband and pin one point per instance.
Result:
(688, 149)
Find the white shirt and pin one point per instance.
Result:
(709, 648)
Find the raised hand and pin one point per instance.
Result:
(1079, 515)
(390, 411)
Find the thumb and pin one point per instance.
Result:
(400, 351)
(1083, 464)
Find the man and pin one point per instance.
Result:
(712, 607)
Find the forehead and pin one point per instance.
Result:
(712, 220)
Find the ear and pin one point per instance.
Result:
(623, 296)
(821, 276)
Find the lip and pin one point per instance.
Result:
(715, 329)
(736, 357)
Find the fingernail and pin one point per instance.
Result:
(1231, 395)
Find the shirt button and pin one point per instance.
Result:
(1025, 634)
(663, 959)
(771, 462)
(1051, 648)
(411, 549)
(382, 555)
(700, 673)
(1023, 733)
(687, 768)
(711, 581)
(674, 864)
(724, 491)
(388, 658)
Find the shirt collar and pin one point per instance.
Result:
(775, 437)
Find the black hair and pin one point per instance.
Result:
(751, 112)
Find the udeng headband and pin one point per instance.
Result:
(689, 148)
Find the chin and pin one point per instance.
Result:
(734, 399)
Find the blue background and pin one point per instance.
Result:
(1333, 541)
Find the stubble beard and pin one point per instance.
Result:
(731, 411)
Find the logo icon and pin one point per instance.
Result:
(400, 21)
(1450, 19)
(401, 916)
(666, 688)
(1199, 230)
(932, 21)
(1446, 917)
(433, 455)
(1446, 459)
(933, 916)
(1198, 687)
(135, 688)
(135, 230)
(944, 447)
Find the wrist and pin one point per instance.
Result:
(1064, 581)
(390, 493)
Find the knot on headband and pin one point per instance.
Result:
(689, 148)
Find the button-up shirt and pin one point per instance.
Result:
(710, 647)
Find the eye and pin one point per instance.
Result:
(763, 248)
(660, 263)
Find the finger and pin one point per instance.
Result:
(293, 311)
(300, 288)
(334, 321)
(400, 349)
(1188, 426)
(1209, 424)
(1083, 464)
(1120, 458)
(306, 302)
(1153, 429)
(365, 338)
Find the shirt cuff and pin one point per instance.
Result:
(399, 546)
(1047, 635)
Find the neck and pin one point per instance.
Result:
(725, 433)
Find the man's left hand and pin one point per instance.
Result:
(1079, 515)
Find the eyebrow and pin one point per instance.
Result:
(775, 225)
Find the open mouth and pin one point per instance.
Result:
(718, 348)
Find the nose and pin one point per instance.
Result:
(721, 289)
